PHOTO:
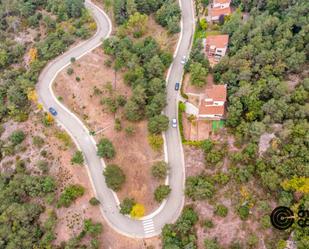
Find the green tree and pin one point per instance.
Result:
(105, 149)
(158, 124)
(17, 137)
(78, 158)
(126, 205)
(162, 192)
(198, 74)
(70, 194)
(114, 177)
(199, 188)
(159, 169)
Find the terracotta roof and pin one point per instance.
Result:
(222, 1)
(220, 11)
(216, 92)
(219, 41)
(211, 110)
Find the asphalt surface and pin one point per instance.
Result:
(168, 212)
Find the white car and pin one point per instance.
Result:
(174, 123)
(183, 60)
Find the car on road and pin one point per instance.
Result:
(174, 123)
(52, 111)
(183, 60)
(177, 85)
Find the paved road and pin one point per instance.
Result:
(152, 224)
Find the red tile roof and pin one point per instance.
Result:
(220, 11)
(216, 92)
(219, 41)
(211, 110)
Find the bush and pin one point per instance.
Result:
(70, 71)
(208, 224)
(156, 142)
(159, 170)
(161, 192)
(94, 229)
(252, 241)
(43, 166)
(94, 201)
(126, 205)
(17, 137)
(37, 141)
(105, 149)
(130, 130)
(114, 177)
(221, 210)
(78, 158)
(199, 188)
(243, 212)
(138, 211)
(211, 244)
(158, 124)
(70, 194)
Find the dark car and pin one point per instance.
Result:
(177, 85)
(52, 111)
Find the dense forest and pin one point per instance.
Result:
(266, 53)
(32, 32)
(19, 75)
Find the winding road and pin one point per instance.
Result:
(169, 211)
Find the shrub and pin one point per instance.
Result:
(94, 201)
(105, 149)
(78, 158)
(70, 194)
(118, 126)
(199, 188)
(130, 130)
(156, 142)
(221, 210)
(252, 241)
(43, 166)
(161, 192)
(70, 71)
(17, 137)
(94, 229)
(114, 177)
(126, 205)
(159, 170)
(211, 244)
(138, 211)
(37, 141)
(72, 59)
(208, 224)
(243, 212)
(77, 79)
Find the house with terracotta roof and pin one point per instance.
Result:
(212, 104)
(221, 4)
(216, 46)
(215, 13)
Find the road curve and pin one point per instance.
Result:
(168, 212)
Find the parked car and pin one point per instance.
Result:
(183, 60)
(177, 85)
(174, 123)
(52, 111)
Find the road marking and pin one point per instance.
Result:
(148, 226)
